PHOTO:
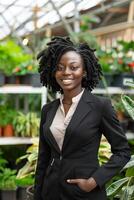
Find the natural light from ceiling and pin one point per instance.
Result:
(18, 15)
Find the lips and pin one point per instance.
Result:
(67, 81)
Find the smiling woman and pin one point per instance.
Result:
(71, 127)
(69, 73)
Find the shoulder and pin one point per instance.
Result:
(49, 105)
(101, 100)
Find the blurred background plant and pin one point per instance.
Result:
(28, 170)
(11, 56)
(26, 125)
(123, 188)
(118, 59)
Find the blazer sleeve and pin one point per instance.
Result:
(110, 127)
(43, 158)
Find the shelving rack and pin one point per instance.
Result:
(43, 91)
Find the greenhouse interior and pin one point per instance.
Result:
(26, 28)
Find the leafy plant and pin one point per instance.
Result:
(12, 55)
(117, 59)
(104, 151)
(128, 102)
(26, 125)
(24, 182)
(25, 68)
(28, 170)
(3, 161)
(124, 188)
(6, 115)
(7, 179)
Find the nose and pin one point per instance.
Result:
(67, 71)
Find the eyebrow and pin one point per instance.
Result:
(70, 63)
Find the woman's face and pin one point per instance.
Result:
(70, 71)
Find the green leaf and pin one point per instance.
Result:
(129, 105)
(128, 193)
(130, 163)
(116, 186)
(130, 172)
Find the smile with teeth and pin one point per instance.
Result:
(67, 81)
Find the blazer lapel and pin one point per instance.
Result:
(83, 108)
(50, 116)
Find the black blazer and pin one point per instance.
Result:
(79, 156)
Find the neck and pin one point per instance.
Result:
(68, 95)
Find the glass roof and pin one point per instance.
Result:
(22, 16)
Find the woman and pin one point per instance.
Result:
(71, 127)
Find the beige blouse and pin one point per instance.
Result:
(60, 121)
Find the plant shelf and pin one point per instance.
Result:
(15, 140)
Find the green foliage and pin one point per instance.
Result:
(26, 125)
(124, 187)
(118, 105)
(3, 161)
(84, 35)
(11, 55)
(6, 115)
(128, 103)
(104, 152)
(117, 59)
(7, 179)
(31, 159)
(24, 182)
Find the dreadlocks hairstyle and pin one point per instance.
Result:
(50, 56)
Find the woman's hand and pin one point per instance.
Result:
(85, 184)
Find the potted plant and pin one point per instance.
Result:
(6, 120)
(106, 61)
(12, 55)
(7, 184)
(23, 183)
(25, 175)
(124, 61)
(28, 73)
(26, 125)
(117, 64)
(123, 188)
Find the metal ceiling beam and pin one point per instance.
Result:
(95, 12)
(63, 20)
(8, 6)
(31, 17)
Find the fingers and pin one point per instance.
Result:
(73, 181)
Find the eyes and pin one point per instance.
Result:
(71, 68)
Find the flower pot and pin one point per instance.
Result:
(30, 193)
(8, 194)
(108, 78)
(8, 131)
(120, 79)
(31, 79)
(22, 194)
(12, 79)
(2, 79)
(1, 130)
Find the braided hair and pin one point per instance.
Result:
(50, 56)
